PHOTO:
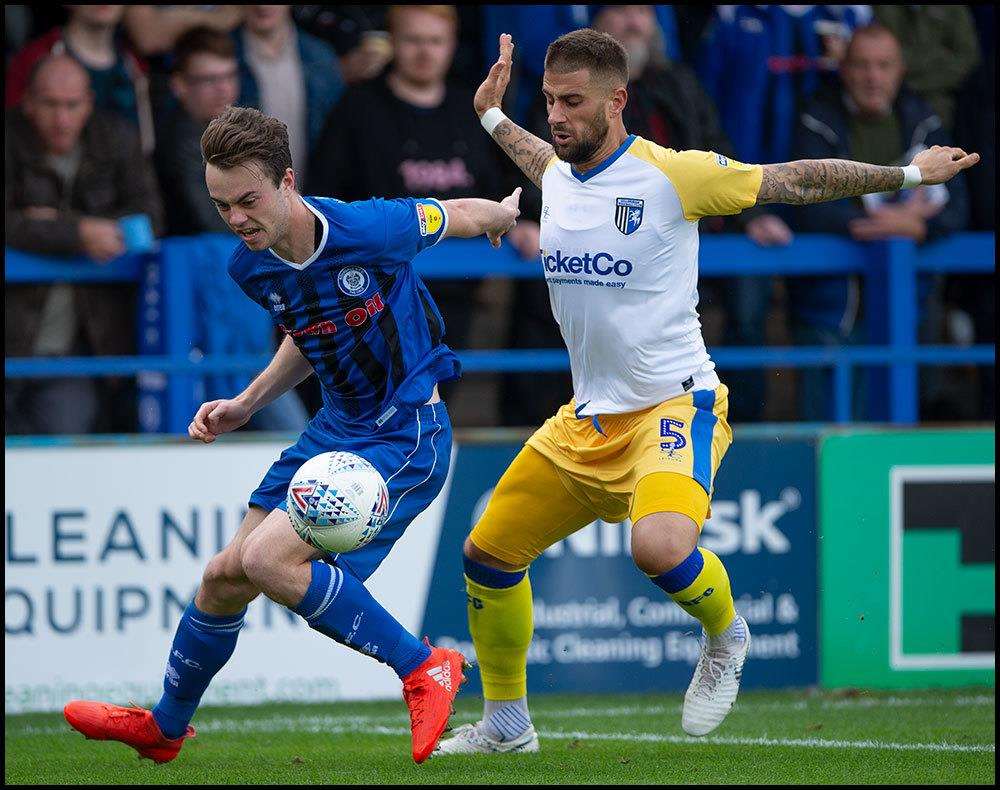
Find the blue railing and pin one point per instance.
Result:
(890, 268)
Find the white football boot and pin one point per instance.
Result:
(716, 679)
(470, 739)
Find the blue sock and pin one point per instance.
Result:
(202, 646)
(339, 606)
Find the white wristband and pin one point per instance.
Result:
(492, 118)
(911, 177)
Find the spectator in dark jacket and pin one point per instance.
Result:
(940, 48)
(760, 63)
(412, 133)
(92, 35)
(69, 174)
(206, 80)
(288, 74)
(872, 120)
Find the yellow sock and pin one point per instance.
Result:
(700, 585)
(501, 624)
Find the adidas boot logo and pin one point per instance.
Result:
(442, 675)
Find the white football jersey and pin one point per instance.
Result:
(620, 251)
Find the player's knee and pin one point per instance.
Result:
(662, 541)
(471, 551)
(257, 561)
(223, 584)
(216, 573)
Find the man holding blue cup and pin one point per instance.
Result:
(76, 183)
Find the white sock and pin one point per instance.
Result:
(505, 720)
(734, 636)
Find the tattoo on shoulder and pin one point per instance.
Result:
(530, 153)
(817, 180)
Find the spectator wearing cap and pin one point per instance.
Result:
(93, 36)
(288, 74)
(70, 173)
(870, 118)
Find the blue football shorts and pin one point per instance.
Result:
(412, 452)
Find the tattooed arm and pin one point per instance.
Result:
(818, 180)
(529, 153)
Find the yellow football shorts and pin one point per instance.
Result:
(575, 470)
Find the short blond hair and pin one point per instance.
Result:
(447, 12)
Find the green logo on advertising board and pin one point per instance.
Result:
(907, 546)
(942, 576)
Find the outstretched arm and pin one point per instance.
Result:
(471, 217)
(530, 153)
(818, 180)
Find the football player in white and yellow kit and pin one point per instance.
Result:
(646, 429)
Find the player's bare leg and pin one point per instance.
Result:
(664, 546)
(213, 621)
(337, 604)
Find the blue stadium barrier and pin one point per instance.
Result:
(891, 270)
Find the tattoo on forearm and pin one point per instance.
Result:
(529, 153)
(817, 180)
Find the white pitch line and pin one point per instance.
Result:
(331, 725)
(363, 720)
(810, 743)
(817, 704)
(809, 704)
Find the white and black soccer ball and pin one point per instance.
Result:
(337, 502)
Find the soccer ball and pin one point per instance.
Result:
(337, 502)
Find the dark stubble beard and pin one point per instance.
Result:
(583, 150)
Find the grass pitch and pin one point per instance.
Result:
(771, 737)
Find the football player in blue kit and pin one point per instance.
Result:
(337, 279)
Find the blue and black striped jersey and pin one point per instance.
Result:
(356, 309)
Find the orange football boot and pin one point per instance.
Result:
(429, 691)
(133, 726)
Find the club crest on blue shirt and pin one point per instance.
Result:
(277, 304)
(352, 281)
(628, 214)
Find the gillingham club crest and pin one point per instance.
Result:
(628, 214)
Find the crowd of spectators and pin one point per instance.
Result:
(106, 106)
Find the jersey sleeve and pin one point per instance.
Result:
(710, 184)
(412, 225)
